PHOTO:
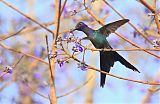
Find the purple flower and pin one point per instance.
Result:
(70, 38)
(77, 48)
(82, 66)
(8, 69)
(156, 43)
(60, 62)
(135, 34)
(74, 12)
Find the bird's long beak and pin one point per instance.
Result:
(72, 30)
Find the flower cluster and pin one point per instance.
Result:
(52, 55)
(71, 38)
(8, 69)
(82, 66)
(74, 12)
(61, 61)
(77, 48)
(156, 43)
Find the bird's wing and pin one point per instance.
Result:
(112, 27)
(106, 62)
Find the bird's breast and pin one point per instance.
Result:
(99, 41)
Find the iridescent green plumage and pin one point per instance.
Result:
(98, 39)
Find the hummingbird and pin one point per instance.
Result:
(98, 39)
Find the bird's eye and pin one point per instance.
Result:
(79, 25)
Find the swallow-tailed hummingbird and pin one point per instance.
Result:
(98, 39)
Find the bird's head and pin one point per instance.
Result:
(80, 26)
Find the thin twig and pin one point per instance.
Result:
(156, 18)
(58, 22)
(13, 66)
(52, 86)
(127, 49)
(151, 90)
(5, 85)
(16, 63)
(54, 49)
(135, 45)
(64, 4)
(66, 94)
(34, 28)
(28, 30)
(6, 37)
(154, 11)
(50, 68)
(147, 5)
(38, 93)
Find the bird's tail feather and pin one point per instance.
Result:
(106, 62)
(107, 59)
(119, 58)
(103, 79)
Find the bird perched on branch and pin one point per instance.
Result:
(98, 39)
